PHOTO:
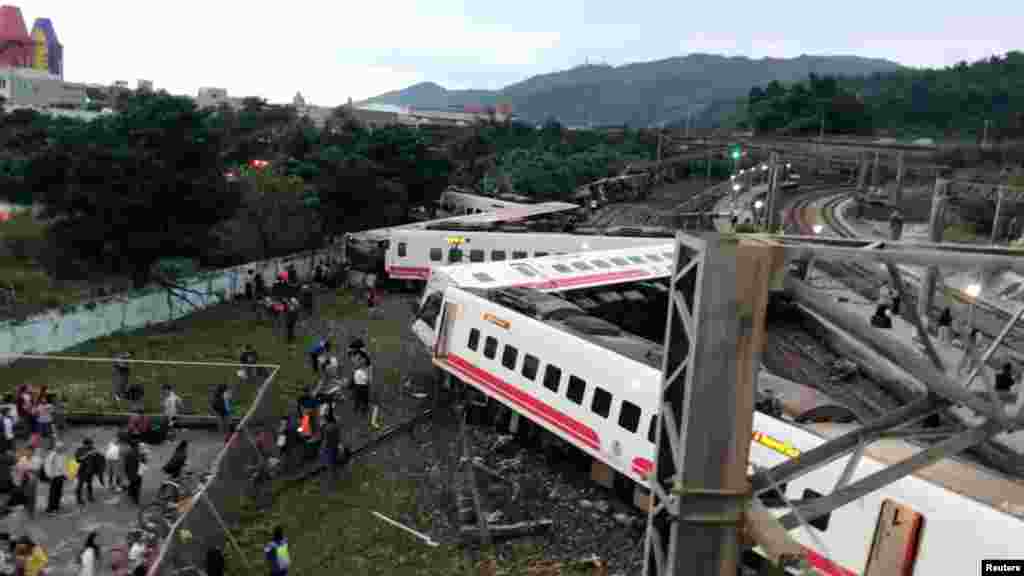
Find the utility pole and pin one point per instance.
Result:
(936, 225)
(999, 209)
(984, 138)
(773, 186)
(712, 355)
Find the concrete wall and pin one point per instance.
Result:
(58, 330)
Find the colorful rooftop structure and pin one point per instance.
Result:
(16, 46)
(48, 52)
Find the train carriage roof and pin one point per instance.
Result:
(567, 271)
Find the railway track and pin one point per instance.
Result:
(989, 319)
(866, 282)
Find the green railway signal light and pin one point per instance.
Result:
(735, 153)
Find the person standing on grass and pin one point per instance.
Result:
(276, 552)
(291, 319)
(329, 450)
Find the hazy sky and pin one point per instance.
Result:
(331, 51)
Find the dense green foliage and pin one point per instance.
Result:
(161, 179)
(562, 161)
(950, 102)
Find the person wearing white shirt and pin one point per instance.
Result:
(55, 467)
(113, 457)
(7, 439)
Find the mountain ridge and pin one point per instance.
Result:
(636, 93)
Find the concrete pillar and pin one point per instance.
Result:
(936, 225)
(862, 173)
(896, 192)
(876, 174)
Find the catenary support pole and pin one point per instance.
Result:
(996, 228)
(699, 485)
(936, 226)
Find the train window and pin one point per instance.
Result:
(652, 429)
(576, 390)
(600, 264)
(636, 259)
(402, 249)
(580, 266)
(629, 416)
(436, 254)
(490, 347)
(474, 339)
(668, 255)
(509, 357)
(431, 308)
(497, 255)
(562, 268)
(821, 522)
(602, 402)
(476, 255)
(619, 261)
(530, 366)
(653, 257)
(483, 277)
(524, 269)
(454, 254)
(774, 498)
(539, 254)
(552, 377)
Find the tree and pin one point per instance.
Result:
(131, 188)
(272, 211)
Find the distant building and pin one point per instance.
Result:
(16, 46)
(145, 86)
(48, 52)
(29, 87)
(212, 97)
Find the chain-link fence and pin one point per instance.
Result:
(219, 504)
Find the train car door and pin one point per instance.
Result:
(894, 547)
(448, 316)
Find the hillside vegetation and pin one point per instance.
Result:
(952, 102)
(636, 94)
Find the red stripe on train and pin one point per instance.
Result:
(826, 566)
(532, 405)
(585, 434)
(408, 272)
(586, 279)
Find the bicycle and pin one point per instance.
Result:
(157, 518)
(190, 482)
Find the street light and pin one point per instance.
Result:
(736, 187)
(758, 205)
(764, 167)
(973, 290)
(818, 228)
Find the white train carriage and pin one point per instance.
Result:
(548, 274)
(412, 254)
(456, 202)
(367, 248)
(597, 388)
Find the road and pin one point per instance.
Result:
(112, 515)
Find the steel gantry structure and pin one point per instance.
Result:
(701, 494)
